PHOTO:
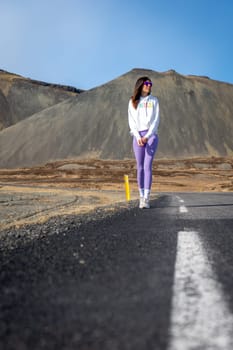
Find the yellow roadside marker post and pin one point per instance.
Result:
(127, 191)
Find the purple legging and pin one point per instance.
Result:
(144, 157)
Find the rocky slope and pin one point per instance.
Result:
(21, 97)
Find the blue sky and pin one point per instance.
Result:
(87, 43)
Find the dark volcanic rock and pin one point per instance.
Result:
(5, 112)
(20, 97)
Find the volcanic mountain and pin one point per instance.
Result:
(21, 97)
(196, 120)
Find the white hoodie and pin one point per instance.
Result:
(145, 117)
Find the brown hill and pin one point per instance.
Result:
(196, 120)
(21, 97)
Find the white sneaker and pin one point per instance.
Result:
(146, 204)
(141, 202)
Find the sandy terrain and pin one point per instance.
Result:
(77, 186)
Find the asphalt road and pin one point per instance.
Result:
(139, 279)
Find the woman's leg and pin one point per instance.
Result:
(139, 152)
(151, 148)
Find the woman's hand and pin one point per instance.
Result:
(142, 141)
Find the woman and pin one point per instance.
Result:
(143, 117)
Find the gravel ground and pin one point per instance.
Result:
(22, 205)
(19, 236)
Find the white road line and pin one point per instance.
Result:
(200, 317)
(179, 199)
(183, 209)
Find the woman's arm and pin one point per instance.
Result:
(155, 122)
(132, 122)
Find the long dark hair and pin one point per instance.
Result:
(138, 90)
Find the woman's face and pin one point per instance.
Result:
(146, 88)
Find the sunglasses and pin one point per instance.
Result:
(147, 83)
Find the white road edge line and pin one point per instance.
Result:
(183, 209)
(200, 317)
(180, 200)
